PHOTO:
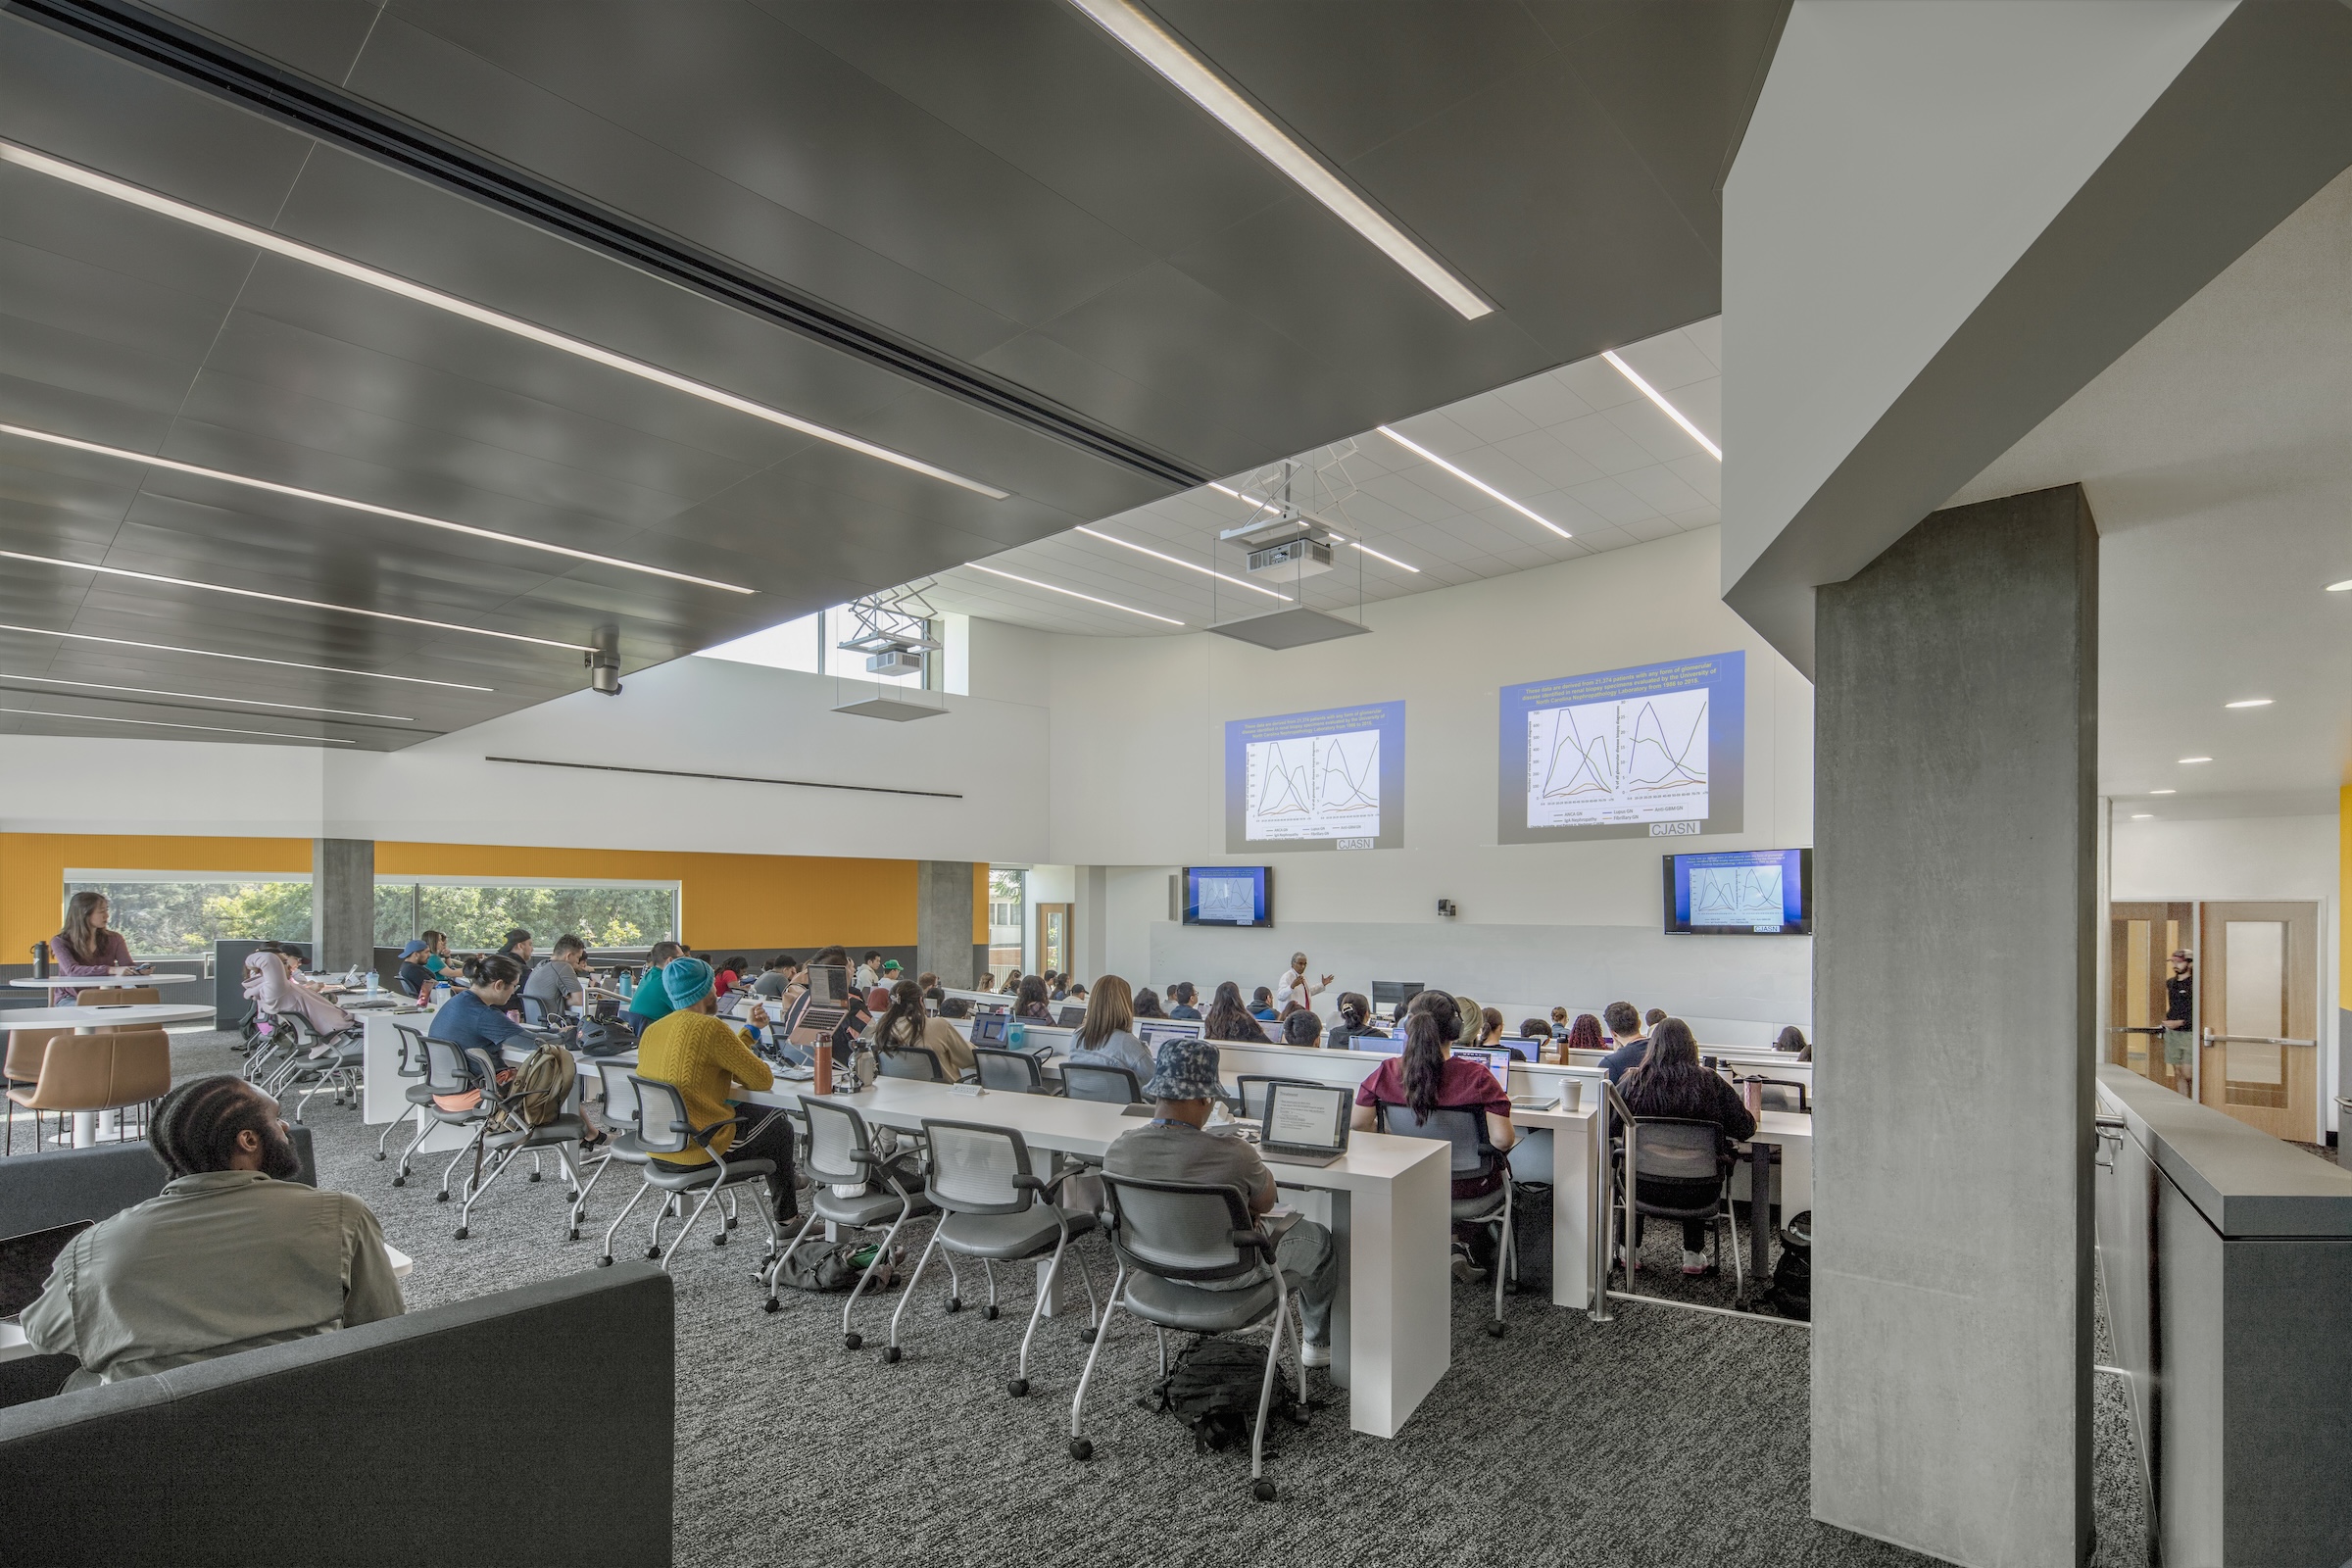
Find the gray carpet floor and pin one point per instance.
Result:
(1664, 1436)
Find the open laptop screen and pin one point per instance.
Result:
(988, 1029)
(1496, 1061)
(1306, 1115)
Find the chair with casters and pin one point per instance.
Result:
(993, 1207)
(1250, 1090)
(92, 1074)
(1010, 1072)
(1691, 1154)
(27, 1048)
(1100, 1081)
(662, 1128)
(1474, 1155)
(621, 1142)
(504, 1135)
(414, 1068)
(918, 1062)
(446, 1078)
(1172, 1239)
(840, 1153)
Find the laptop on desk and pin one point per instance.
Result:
(1305, 1124)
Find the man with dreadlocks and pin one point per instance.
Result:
(234, 1255)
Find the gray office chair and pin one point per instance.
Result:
(512, 1136)
(1250, 1090)
(621, 1142)
(1473, 1156)
(1010, 1072)
(1172, 1239)
(1100, 1081)
(919, 1062)
(446, 1077)
(988, 1200)
(840, 1153)
(663, 1128)
(533, 1010)
(1670, 1148)
(420, 1095)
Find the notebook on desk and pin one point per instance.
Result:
(1304, 1124)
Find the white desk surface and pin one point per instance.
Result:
(145, 1012)
(102, 982)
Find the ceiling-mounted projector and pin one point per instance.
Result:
(895, 662)
(1283, 542)
(1301, 557)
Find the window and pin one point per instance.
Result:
(811, 645)
(163, 919)
(1007, 897)
(480, 914)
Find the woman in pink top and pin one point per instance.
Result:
(1427, 1077)
(269, 983)
(85, 946)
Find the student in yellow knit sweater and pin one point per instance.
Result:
(706, 1059)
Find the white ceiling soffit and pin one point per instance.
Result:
(2217, 455)
(1580, 446)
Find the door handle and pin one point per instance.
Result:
(2213, 1038)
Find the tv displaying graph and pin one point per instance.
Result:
(1332, 779)
(1228, 895)
(1654, 749)
(1741, 893)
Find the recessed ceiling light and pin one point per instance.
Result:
(2249, 701)
(2143, 816)
(157, 723)
(287, 599)
(2186, 761)
(123, 191)
(2344, 587)
(368, 507)
(1175, 561)
(1659, 397)
(2164, 792)
(1203, 86)
(245, 659)
(1073, 593)
(1474, 481)
(200, 696)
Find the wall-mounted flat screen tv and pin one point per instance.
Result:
(1741, 893)
(1228, 895)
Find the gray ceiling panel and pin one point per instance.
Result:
(319, 37)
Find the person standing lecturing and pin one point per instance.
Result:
(1294, 985)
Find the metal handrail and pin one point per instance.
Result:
(1604, 1184)
(2213, 1038)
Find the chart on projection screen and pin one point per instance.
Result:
(1651, 749)
(1314, 787)
(1643, 760)
(1332, 779)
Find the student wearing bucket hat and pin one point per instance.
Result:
(1176, 1147)
(696, 1050)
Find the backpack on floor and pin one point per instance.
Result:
(1213, 1388)
(831, 1267)
(1792, 1292)
(537, 1094)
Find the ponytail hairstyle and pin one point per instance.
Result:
(1424, 1064)
(1354, 1011)
(1440, 1008)
(906, 1008)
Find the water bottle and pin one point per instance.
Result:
(1017, 1034)
(621, 984)
(373, 981)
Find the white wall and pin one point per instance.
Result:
(1138, 786)
(2244, 857)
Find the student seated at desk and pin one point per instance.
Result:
(1228, 1019)
(1584, 1035)
(1673, 1083)
(413, 979)
(1106, 1038)
(1792, 1040)
(778, 976)
(697, 1053)
(234, 1255)
(1261, 1004)
(1427, 1077)
(1181, 997)
(1654, 1017)
(1173, 1147)
(730, 973)
(1147, 1005)
(273, 982)
(1031, 1000)
(651, 999)
(1301, 1027)
(556, 985)
(1632, 1044)
(906, 1022)
(477, 1018)
(1355, 1023)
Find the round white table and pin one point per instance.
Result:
(88, 1021)
(98, 982)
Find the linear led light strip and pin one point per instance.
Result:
(200, 696)
(1474, 482)
(1072, 592)
(157, 723)
(1358, 544)
(287, 599)
(368, 507)
(1659, 397)
(1178, 561)
(244, 658)
(123, 191)
(1203, 86)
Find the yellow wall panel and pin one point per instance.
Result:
(32, 872)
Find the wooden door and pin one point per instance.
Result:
(2258, 1007)
(2141, 940)
(1054, 938)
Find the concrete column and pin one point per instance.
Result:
(942, 919)
(1954, 958)
(342, 904)
(1090, 942)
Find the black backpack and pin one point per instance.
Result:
(1213, 1388)
(1792, 1292)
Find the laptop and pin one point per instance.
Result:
(1496, 1060)
(1305, 1124)
(1073, 1018)
(1157, 1032)
(988, 1029)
